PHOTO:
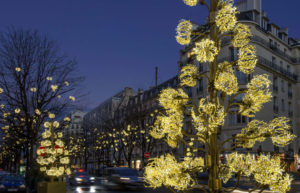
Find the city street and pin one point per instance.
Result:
(99, 188)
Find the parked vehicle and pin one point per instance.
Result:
(12, 183)
(81, 177)
(122, 178)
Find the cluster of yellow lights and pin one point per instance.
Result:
(209, 117)
(191, 2)
(247, 59)
(54, 87)
(278, 130)
(205, 50)
(166, 171)
(265, 169)
(226, 80)
(173, 102)
(184, 30)
(188, 75)
(226, 19)
(241, 36)
(52, 156)
(257, 94)
(72, 98)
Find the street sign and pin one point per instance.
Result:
(146, 154)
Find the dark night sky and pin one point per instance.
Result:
(118, 43)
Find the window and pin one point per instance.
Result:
(282, 105)
(275, 104)
(241, 77)
(290, 109)
(241, 119)
(288, 68)
(275, 84)
(200, 67)
(231, 53)
(273, 60)
(290, 106)
(282, 85)
(232, 119)
(190, 92)
(281, 66)
(290, 92)
(200, 88)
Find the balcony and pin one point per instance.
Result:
(276, 68)
(274, 48)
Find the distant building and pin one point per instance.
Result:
(138, 112)
(99, 120)
(75, 127)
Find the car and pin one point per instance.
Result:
(81, 177)
(122, 178)
(12, 183)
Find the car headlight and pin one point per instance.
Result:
(124, 179)
(92, 178)
(22, 186)
(78, 179)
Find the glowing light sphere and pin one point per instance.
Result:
(191, 3)
(183, 30)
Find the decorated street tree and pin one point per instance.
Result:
(208, 114)
(76, 147)
(128, 139)
(35, 78)
(52, 157)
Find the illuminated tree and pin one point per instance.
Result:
(102, 148)
(52, 157)
(208, 114)
(128, 139)
(35, 79)
(76, 147)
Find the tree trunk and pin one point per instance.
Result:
(214, 183)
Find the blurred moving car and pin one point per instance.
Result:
(122, 178)
(81, 177)
(12, 183)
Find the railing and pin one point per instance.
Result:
(275, 48)
(276, 68)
